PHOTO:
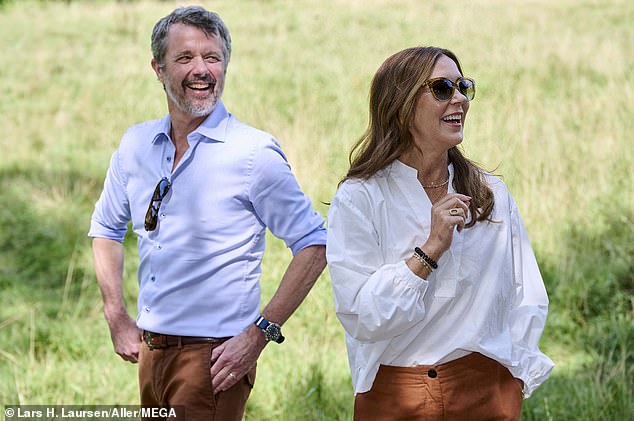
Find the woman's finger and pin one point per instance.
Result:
(453, 198)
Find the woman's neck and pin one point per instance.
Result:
(431, 167)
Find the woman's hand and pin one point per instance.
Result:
(449, 212)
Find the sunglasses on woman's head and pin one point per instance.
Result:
(151, 217)
(443, 89)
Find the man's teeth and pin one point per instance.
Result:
(199, 85)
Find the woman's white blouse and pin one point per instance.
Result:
(486, 296)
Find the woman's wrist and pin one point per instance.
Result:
(432, 251)
(421, 269)
(425, 259)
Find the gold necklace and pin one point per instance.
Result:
(435, 186)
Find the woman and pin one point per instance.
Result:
(434, 279)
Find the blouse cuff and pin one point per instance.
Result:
(533, 371)
(405, 274)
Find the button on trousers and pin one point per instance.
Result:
(473, 387)
(180, 377)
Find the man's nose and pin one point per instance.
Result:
(199, 66)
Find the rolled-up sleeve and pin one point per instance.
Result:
(528, 316)
(112, 211)
(373, 301)
(279, 202)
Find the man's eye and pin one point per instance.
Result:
(183, 59)
(212, 59)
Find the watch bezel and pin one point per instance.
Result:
(273, 332)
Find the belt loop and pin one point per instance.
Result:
(180, 342)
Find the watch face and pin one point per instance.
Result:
(273, 332)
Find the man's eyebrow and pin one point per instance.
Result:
(206, 53)
(182, 53)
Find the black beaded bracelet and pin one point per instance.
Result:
(425, 257)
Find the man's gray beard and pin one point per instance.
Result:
(188, 107)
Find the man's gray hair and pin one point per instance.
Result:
(209, 22)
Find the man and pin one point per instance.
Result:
(201, 232)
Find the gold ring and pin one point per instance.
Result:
(454, 211)
(233, 376)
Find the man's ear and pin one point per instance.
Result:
(157, 69)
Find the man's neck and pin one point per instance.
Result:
(181, 126)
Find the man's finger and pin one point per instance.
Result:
(217, 352)
(229, 379)
(217, 365)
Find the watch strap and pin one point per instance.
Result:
(262, 323)
(266, 326)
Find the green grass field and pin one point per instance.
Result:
(553, 116)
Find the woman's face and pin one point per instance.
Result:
(438, 126)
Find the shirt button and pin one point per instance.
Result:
(169, 159)
(432, 373)
(153, 278)
(163, 215)
(147, 309)
(158, 246)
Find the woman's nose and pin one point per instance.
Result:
(458, 97)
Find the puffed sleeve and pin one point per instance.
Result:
(528, 315)
(373, 300)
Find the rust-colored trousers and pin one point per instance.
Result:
(179, 377)
(473, 388)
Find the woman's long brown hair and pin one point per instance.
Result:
(395, 89)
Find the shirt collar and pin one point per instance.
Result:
(405, 171)
(213, 128)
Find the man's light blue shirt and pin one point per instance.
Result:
(199, 270)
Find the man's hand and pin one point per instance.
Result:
(126, 337)
(232, 359)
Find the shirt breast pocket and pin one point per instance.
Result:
(446, 276)
(485, 249)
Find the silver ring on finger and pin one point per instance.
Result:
(233, 376)
(454, 211)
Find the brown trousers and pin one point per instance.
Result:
(472, 388)
(179, 377)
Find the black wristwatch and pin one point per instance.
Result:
(272, 331)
